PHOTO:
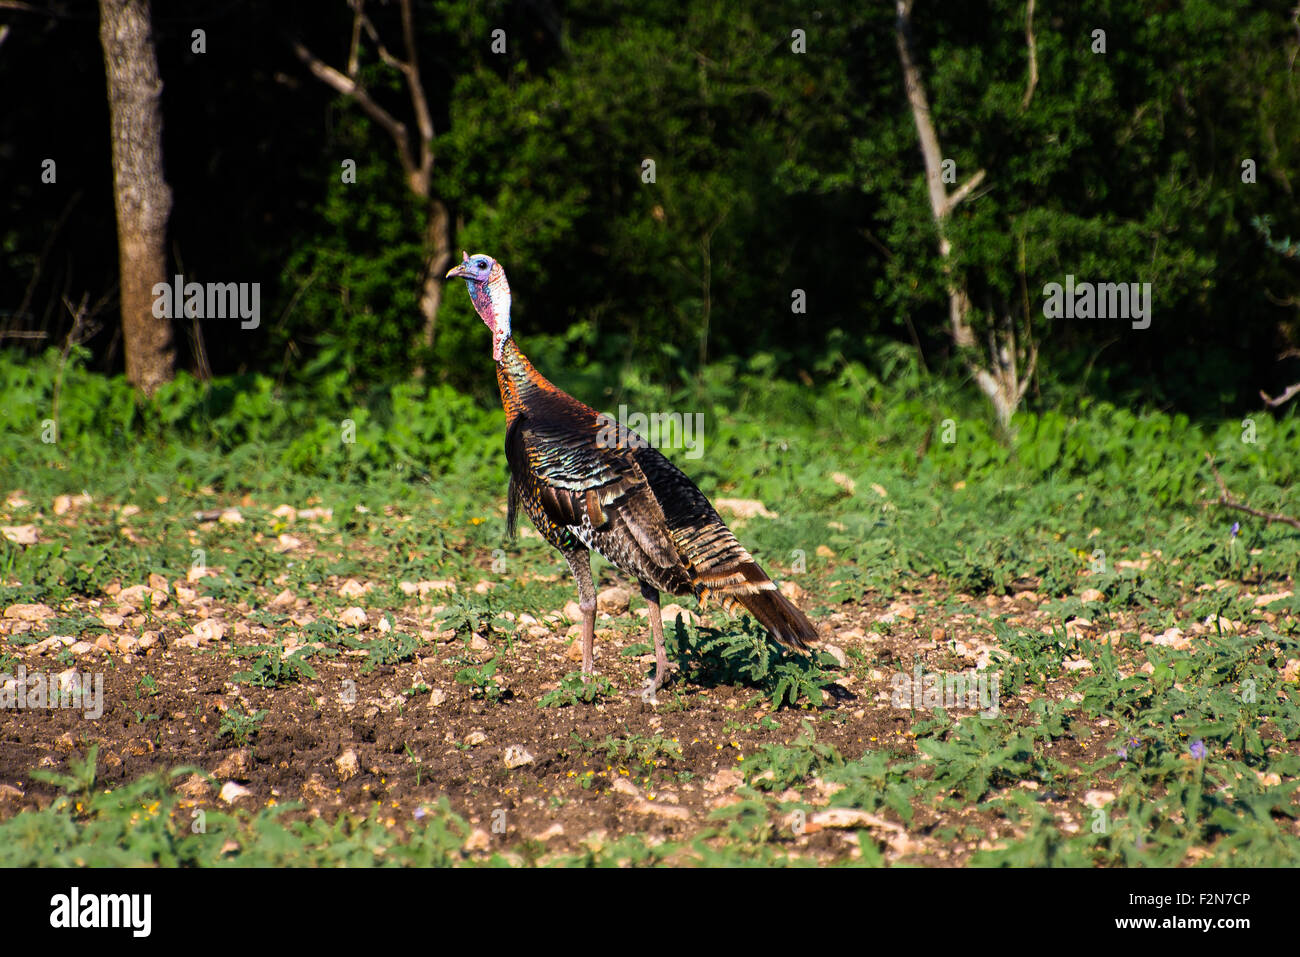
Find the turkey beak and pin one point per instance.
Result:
(456, 271)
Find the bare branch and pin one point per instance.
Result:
(930, 151)
(1225, 500)
(354, 48)
(965, 189)
(423, 116)
(350, 88)
(1291, 390)
(1033, 56)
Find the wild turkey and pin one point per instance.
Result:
(621, 498)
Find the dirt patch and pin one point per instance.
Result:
(399, 735)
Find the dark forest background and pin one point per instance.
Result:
(775, 170)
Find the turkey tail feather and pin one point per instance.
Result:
(748, 586)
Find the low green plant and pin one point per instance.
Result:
(240, 726)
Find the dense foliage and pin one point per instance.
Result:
(775, 170)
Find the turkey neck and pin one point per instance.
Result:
(524, 390)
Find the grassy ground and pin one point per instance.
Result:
(317, 647)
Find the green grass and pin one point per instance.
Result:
(1094, 497)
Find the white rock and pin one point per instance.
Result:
(353, 617)
(232, 792)
(209, 629)
(347, 765)
(353, 588)
(517, 756)
(29, 612)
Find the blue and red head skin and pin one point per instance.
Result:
(489, 292)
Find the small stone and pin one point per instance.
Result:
(670, 613)
(728, 779)
(232, 792)
(837, 653)
(235, 765)
(33, 612)
(793, 591)
(135, 596)
(1092, 594)
(479, 840)
(1096, 799)
(475, 738)
(315, 789)
(67, 503)
(843, 817)
(437, 697)
(353, 589)
(209, 629)
(194, 787)
(287, 543)
(517, 756)
(347, 765)
(622, 785)
(81, 647)
(642, 806)
(105, 643)
(614, 601)
(353, 617)
(20, 534)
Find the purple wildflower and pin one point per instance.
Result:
(1197, 749)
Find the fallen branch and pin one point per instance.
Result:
(1225, 500)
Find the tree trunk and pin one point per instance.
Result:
(437, 245)
(995, 374)
(142, 196)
